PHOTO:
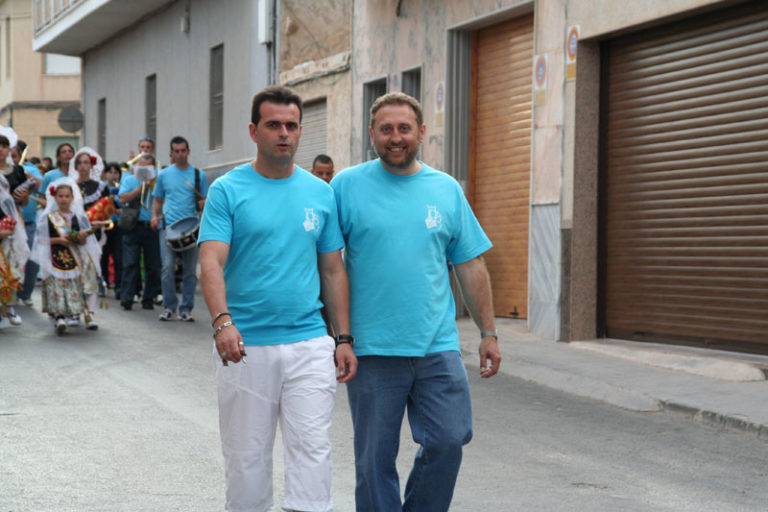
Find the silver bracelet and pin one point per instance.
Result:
(221, 328)
(490, 334)
(219, 315)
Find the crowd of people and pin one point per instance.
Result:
(366, 253)
(85, 228)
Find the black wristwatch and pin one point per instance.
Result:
(345, 338)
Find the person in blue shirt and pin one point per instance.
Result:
(178, 195)
(111, 176)
(64, 153)
(270, 255)
(29, 212)
(141, 237)
(403, 223)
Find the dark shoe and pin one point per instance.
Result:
(147, 305)
(127, 304)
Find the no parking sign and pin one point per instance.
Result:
(571, 49)
(540, 67)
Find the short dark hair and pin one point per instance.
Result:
(275, 94)
(179, 140)
(397, 98)
(21, 145)
(4, 141)
(322, 159)
(112, 165)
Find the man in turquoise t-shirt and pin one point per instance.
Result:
(270, 250)
(404, 223)
(178, 196)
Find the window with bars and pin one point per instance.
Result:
(371, 91)
(101, 127)
(216, 103)
(150, 107)
(412, 83)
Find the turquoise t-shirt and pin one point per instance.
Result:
(30, 210)
(400, 234)
(275, 229)
(49, 178)
(129, 183)
(176, 187)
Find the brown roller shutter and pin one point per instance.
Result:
(686, 182)
(500, 159)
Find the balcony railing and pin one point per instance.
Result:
(48, 11)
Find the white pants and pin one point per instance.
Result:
(295, 383)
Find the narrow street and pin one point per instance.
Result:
(124, 419)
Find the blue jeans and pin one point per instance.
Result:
(30, 271)
(188, 276)
(435, 391)
(140, 237)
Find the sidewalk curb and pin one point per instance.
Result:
(717, 419)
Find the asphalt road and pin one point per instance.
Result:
(125, 419)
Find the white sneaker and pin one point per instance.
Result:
(167, 315)
(73, 321)
(27, 302)
(184, 316)
(13, 317)
(90, 323)
(3, 322)
(60, 326)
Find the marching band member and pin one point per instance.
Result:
(66, 251)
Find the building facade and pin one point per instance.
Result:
(615, 156)
(314, 59)
(34, 87)
(162, 68)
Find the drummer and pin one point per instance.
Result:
(180, 193)
(142, 237)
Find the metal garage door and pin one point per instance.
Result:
(685, 182)
(499, 179)
(313, 134)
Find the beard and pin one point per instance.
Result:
(408, 159)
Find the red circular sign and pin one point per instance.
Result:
(541, 71)
(573, 40)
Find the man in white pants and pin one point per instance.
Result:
(270, 248)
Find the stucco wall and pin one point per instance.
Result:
(314, 49)
(311, 31)
(117, 71)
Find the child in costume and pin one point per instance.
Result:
(14, 253)
(66, 251)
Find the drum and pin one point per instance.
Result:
(182, 234)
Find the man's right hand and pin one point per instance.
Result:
(229, 343)
(154, 223)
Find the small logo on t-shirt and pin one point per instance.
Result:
(434, 219)
(311, 220)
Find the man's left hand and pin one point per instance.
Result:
(490, 357)
(346, 362)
